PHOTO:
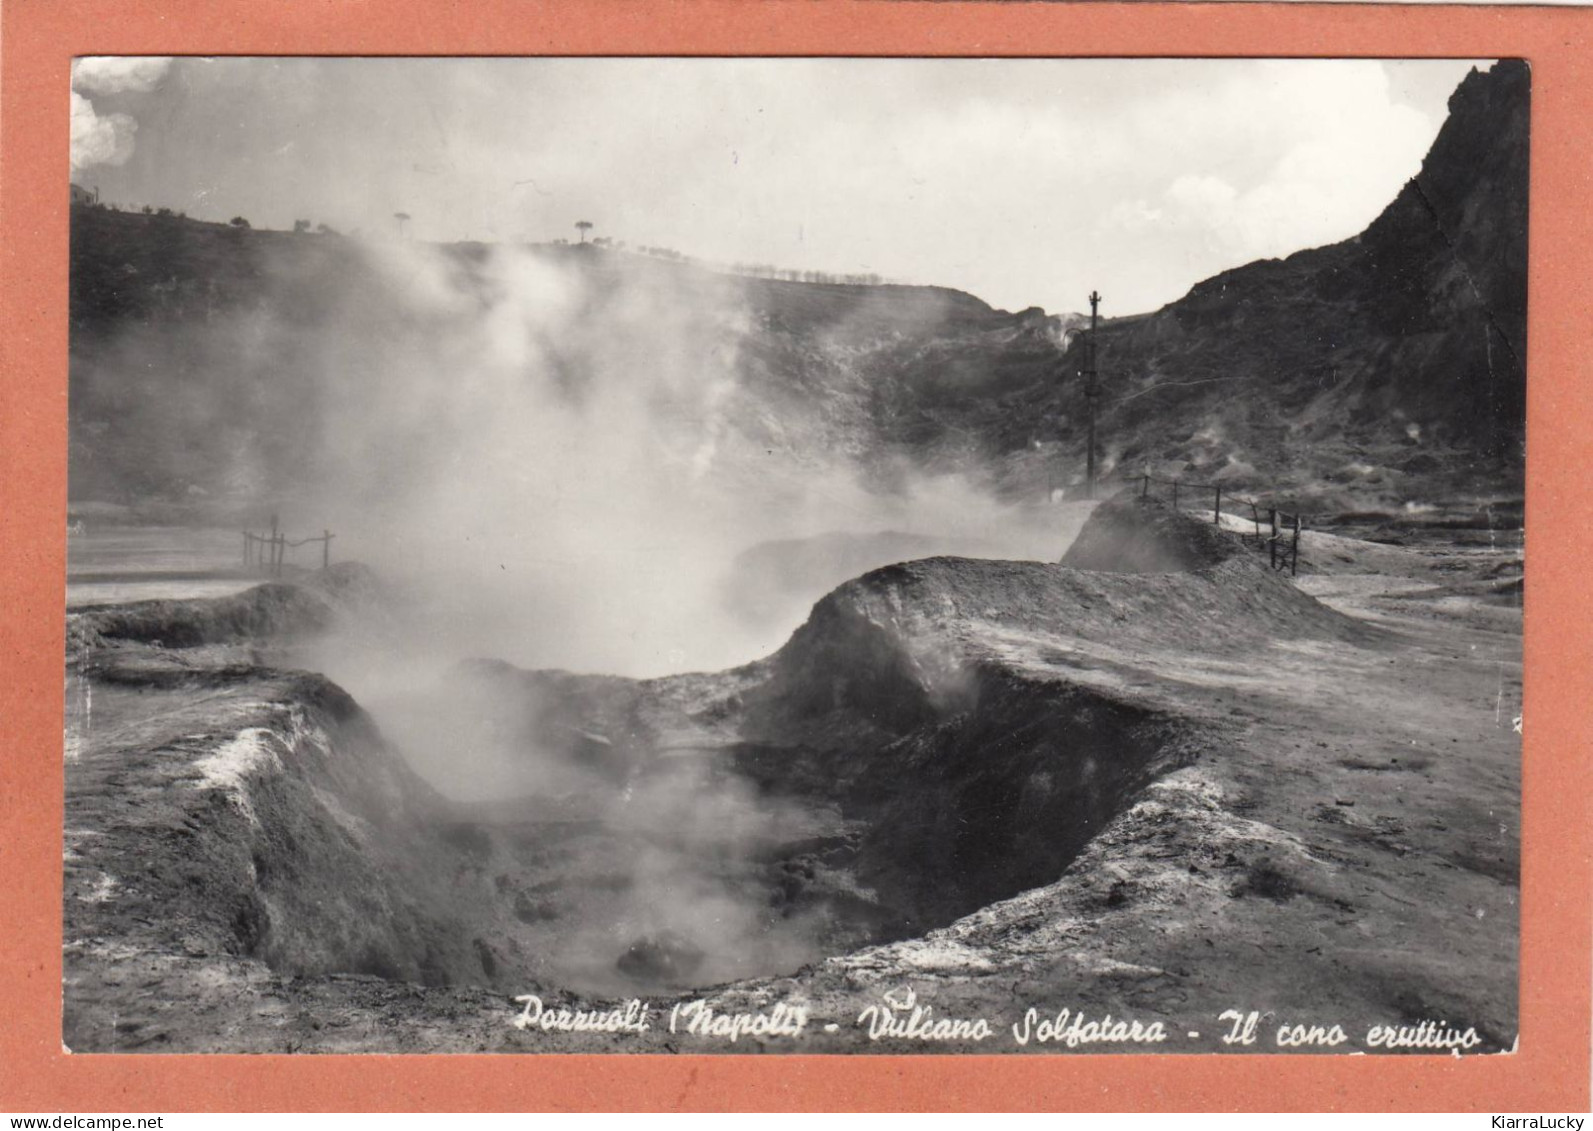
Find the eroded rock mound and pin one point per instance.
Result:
(898, 648)
(1130, 534)
(275, 609)
(939, 735)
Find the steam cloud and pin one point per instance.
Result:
(567, 459)
(556, 458)
(577, 461)
(563, 459)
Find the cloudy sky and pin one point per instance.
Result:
(1025, 182)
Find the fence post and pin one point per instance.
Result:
(1216, 508)
(1294, 556)
(1175, 494)
(326, 548)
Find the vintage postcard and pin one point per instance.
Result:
(795, 555)
(742, 555)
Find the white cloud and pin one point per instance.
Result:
(118, 74)
(1340, 147)
(1132, 216)
(99, 139)
(106, 138)
(1022, 181)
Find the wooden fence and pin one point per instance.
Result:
(267, 552)
(1279, 532)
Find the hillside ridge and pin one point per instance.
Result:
(1362, 375)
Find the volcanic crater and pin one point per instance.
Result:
(950, 756)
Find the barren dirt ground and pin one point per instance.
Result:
(1344, 851)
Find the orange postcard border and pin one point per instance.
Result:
(1550, 1070)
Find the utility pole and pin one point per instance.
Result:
(1092, 392)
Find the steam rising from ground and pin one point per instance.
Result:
(570, 458)
(567, 465)
(563, 460)
(690, 873)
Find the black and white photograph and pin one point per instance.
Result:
(794, 555)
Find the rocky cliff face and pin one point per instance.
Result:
(1392, 360)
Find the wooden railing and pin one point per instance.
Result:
(267, 552)
(1279, 534)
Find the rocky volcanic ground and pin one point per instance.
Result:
(1155, 797)
(1158, 782)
